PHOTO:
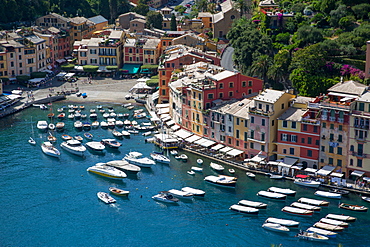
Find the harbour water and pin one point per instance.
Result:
(52, 202)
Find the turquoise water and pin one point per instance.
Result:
(52, 202)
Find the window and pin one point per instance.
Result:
(339, 151)
(304, 127)
(263, 122)
(331, 149)
(244, 83)
(237, 121)
(231, 84)
(250, 83)
(245, 136)
(339, 162)
(322, 148)
(163, 91)
(309, 153)
(221, 85)
(340, 127)
(293, 138)
(331, 137)
(282, 106)
(221, 95)
(302, 140)
(351, 162)
(284, 137)
(294, 125)
(237, 134)
(340, 138)
(331, 126)
(315, 129)
(252, 134)
(210, 96)
(291, 151)
(361, 106)
(263, 148)
(163, 82)
(309, 140)
(285, 124)
(246, 123)
(259, 106)
(263, 136)
(272, 122)
(360, 149)
(284, 151)
(252, 119)
(231, 94)
(359, 163)
(267, 108)
(331, 161)
(324, 125)
(249, 91)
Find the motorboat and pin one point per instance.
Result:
(49, 149)
(112, 114)
(111, 124)
(139, 160)
(311, 236)
(117, 134)
(103, 124)
(88, 135)
(190, 172)
(140, 115)
(328, 227)
(61, 115)
(71, 116)
(78, 138)
(95, 146)
(313, 201)
(60, 125)
(119, 123)
(216, 167)
(365, 198)
(42, 125)
(105, 197)
(199, 161)
(120, 115)
(163, 196)
(51, 115)
(106, 115)
(297, 211)
(223, 181)
(307, 182)
(133, 132)
(92, 110)
(195, 192)
(328, 194)
(339, 191)
(127, 105)
(196, 169)
(95, 124)
(352, 207)
(118, 192)
(127, 122)
(184, 157)
(126, 134)
(283, 222)
(86, 126)
(174, 152)
(232, 171)
(250, 174)
(243, 209)
(276, 176)
(106, 171)
(77, 115)
(253, 204)
(160, 158)
(66, 137)
(124, 166)
(275, 227)
(148, 133)
(287, 192)
(83, 116)
(341, 217)
(99, 107)
(93, 115)
(320, 231)
(112, 143)
(126, 115)
(271, 195)
(31, 141)
(74, 147)
(78, 125)
(306, 206)
(181, 194)
(334, 222)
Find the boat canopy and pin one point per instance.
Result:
(326, 170)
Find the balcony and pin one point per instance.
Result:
(361, 126)
(324, 117)
(261, 112)
(310, 121)
(336, 105)
(314, 105)
(341, 120)
(256, 140)
(360, 138)
(332, 119)
(358, 154)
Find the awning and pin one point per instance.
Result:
(207, 143)
(325, 170)
(69, 74)
(342, 95)
(170, 123)
(175, 127)
(167, 118)
(235, 152)
(336, 174)
(301, 176)
(225, 149)
(367, 179)
(165, 138)
(296, 167)
(183, 133)
(61, 60)
(192, 138)
(357, 173)
(36, 80)
(310, 170)
(288, 162)
(217, 147)
(154, 117)
(199, 141)
(131, 68)
(163, 110)
(162, 105)
(273, 163)
(142, 79)
(258, 158)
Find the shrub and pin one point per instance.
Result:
(67, 67)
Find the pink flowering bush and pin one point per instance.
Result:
(349, 71)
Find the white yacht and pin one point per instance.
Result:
(133, 158)
(307, 182)
(221, 180)
(106, 171)
(216, 167)
(74, 147)
(195, 192)
(181, 194)
(95, 146)
(160, 158)
(124, 166)
(49, 149)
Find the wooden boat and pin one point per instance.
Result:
(297, 211)
(306, 206)
(365, 198)
(88, 135)
(252, 204)
(311, 236)
(66, 137)
(334, 222)
(216, 167)
(352, 207)
(283, 222)
(328, 227)
(119, 192)
(328, 194)
(112, 143)
(51, 138)
(105, 197)
(60, 125)
(244, 209)
(340, 217)
(51, 115)
(61, 115)
(251, 175)
(275, 227)
(271, 195)
(320, 231)
(287, 192)
(313, 201)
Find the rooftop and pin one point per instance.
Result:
(151, 43)
(365, 97)
(223, 75)
(98, 19)
(130, 43)
(349, 87)
(269, 96)
(292, 114)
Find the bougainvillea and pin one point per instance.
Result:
(348, 70)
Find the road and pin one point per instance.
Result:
(227, 59)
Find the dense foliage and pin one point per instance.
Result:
(323, 41)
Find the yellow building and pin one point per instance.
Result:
(3, 66)
(151, 51)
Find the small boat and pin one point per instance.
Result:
(287, 192)
(196, 169)
(78, 125)
(117, 134)
(184, 157)
(60, 125)
(163, 196)
(133, 132)
(51, 115)
(71, 116)
(313, 201)
(106, 171)
(297, 211)
(83, 116)
(147, 133)
(126, 115)
(49, 149)
(320, 231)
(341, 217)
(127, 105)
(74, 147)
(307, 182)
(181, 194)
(66, 137)
(51, 138)
(283, 222)
(160, 158)
(51, 126)
(216, 167)
(140, 115)
(82, 107)
(106, 115)
(99, 106)
(119, 192)
(306, 206)
(199, 161)
(195, 192)
(106, 198)
(103, 124)
(177, 157)
(271, 195)
(352, 207)
(130, 107)
(78, 138)
(42, 125)
(112, 143)
(365, 198)
(252, 204)
(112, 114)
(120, 115)
(334, 222)
(276, 176)
(111, 124)
(174, 152)
(124, 166)
(190, 172)
(92, 110)
(95, 124)
(223, 181)
(119, 123)
(275, 227)
(102, 111)
(60, 109)
(244, 209)
(77, 115)
(328, 227)
(311, 236)
(251, 175)
(328, 194)
(339, 191)
(31, 141)
(43, 107)
(95, 146)
(126, 134)
(88, 135)
(232, 171)
(61, 115)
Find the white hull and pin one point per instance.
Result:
(288, 223)
(77, 150)
(307, 183)
(195, 192)
(275, 227)
(107, 171)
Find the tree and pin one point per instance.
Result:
(260, 66)
(141, 8)
(173, 23)
(243, 7)
(307, 35)
(154, 19)
(180, 9)
(279, 70)
(361, 11)
(337, 14)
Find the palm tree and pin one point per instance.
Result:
(243, 7)
(260, 66)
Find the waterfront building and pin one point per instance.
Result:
(110, 49)
(151, 51)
